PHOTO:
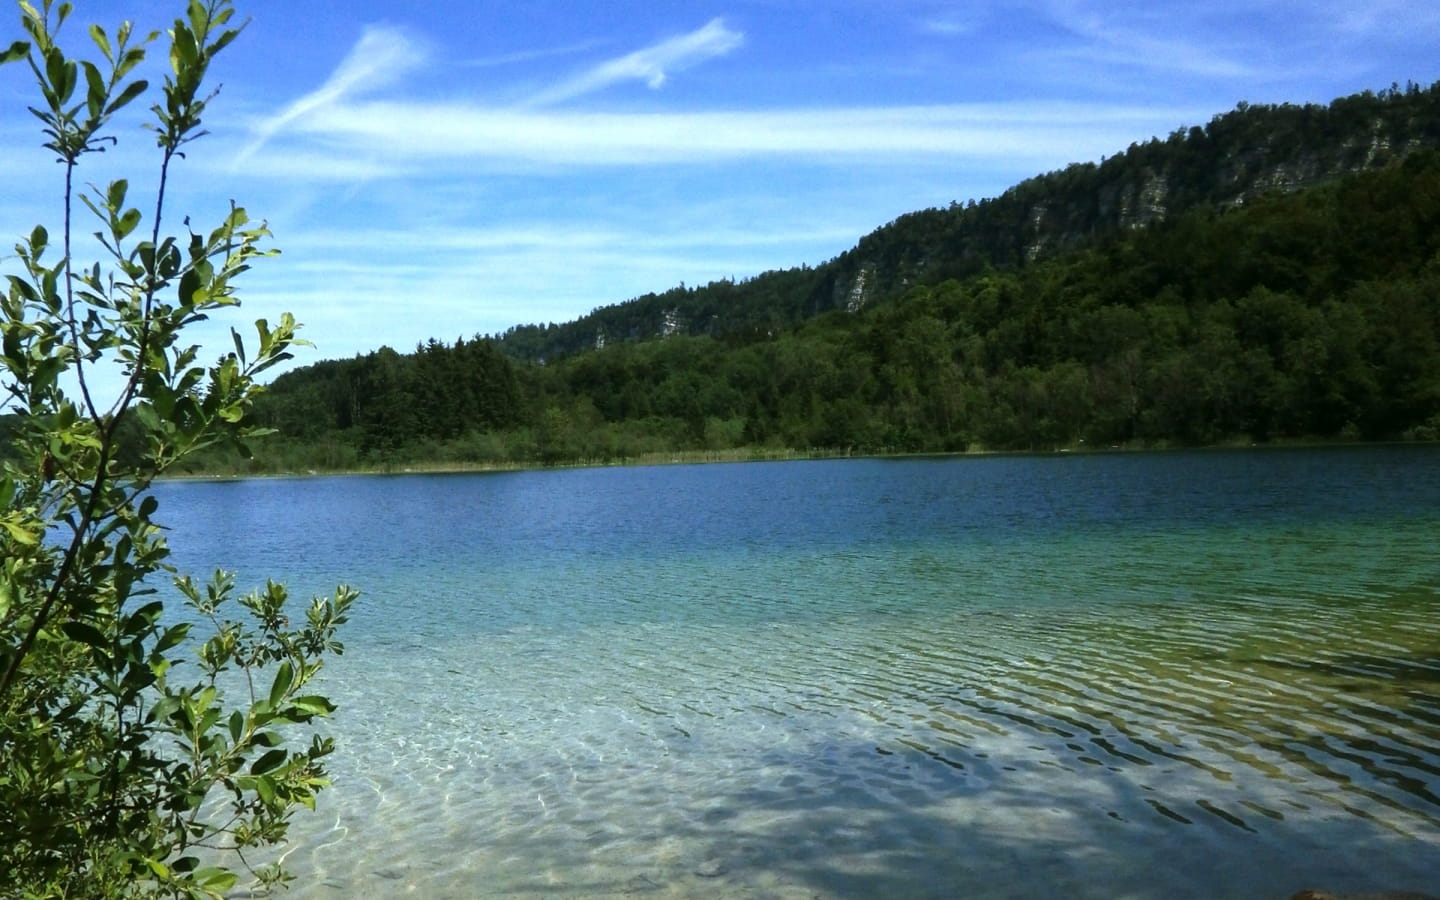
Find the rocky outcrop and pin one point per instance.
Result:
(1237, 157)
(856, 296)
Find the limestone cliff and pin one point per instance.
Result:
(1241, 154)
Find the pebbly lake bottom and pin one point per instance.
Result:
(855, 791)
(871, 759)
(1209, 676)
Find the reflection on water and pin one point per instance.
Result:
(1188, 675)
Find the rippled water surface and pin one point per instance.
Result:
(1174, 675)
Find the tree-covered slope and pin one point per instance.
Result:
(1239, 155)
(1308, 314)
(1314, 314)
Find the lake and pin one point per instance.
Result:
(1189, 674)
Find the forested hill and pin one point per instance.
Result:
(1308, 314)
(1239, 155)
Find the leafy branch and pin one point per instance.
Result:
(109, 769)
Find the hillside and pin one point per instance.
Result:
(1238, 156)
(1291, 293)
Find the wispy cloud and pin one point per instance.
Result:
(1147, 52)
(1165, 42)
(408, 136)
(560, 238)
(381, 57)
(1380, 17)
(522, 56)
(651, 65)
(946, 26)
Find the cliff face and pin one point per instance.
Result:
(1239, 155)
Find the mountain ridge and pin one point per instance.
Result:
(1272, 277)
(1239, 155)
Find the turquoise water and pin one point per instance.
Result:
(1144, 675)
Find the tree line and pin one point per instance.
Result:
(1313, 314)
(1237, 156)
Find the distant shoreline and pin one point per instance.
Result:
(744, 455)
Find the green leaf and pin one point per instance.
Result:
(199, 20)
(16, 51)
(149, 417)
(215, 880)
(195, 284)
(61, 73)
(223, 41)
(142, 618)
(183, 51)
(20, 533)
(86, 634)
(272, 361)
(313, 705)
(268, 762)
(115, 194)
(97, 34)
(266, 739)
(129, 93)
(173, 637)
(169, 260)
(265, 787)
(239, 346)
(95, 89)
(284, 677)
(126, 223)
(31, 17)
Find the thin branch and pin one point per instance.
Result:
(70, 318)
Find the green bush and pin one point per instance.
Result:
(120, 774)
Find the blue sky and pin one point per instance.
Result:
(446, 169)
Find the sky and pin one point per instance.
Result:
(454, 168)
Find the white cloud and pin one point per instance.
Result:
(522, 56)
(411, 137)
(1379, 17)
(651, 65)
(556, 238)
(1142, 51)
(312, 165)
(1122, 38)
(380, 58)
(1165, 39)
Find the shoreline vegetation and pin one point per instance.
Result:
(1308, 316)
(762, 454)
(1259, 307)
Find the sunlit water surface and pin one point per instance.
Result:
(1174, 675)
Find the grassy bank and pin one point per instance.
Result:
(263, 465)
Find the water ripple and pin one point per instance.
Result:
(1091, 678)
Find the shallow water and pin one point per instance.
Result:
(1160, 675)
